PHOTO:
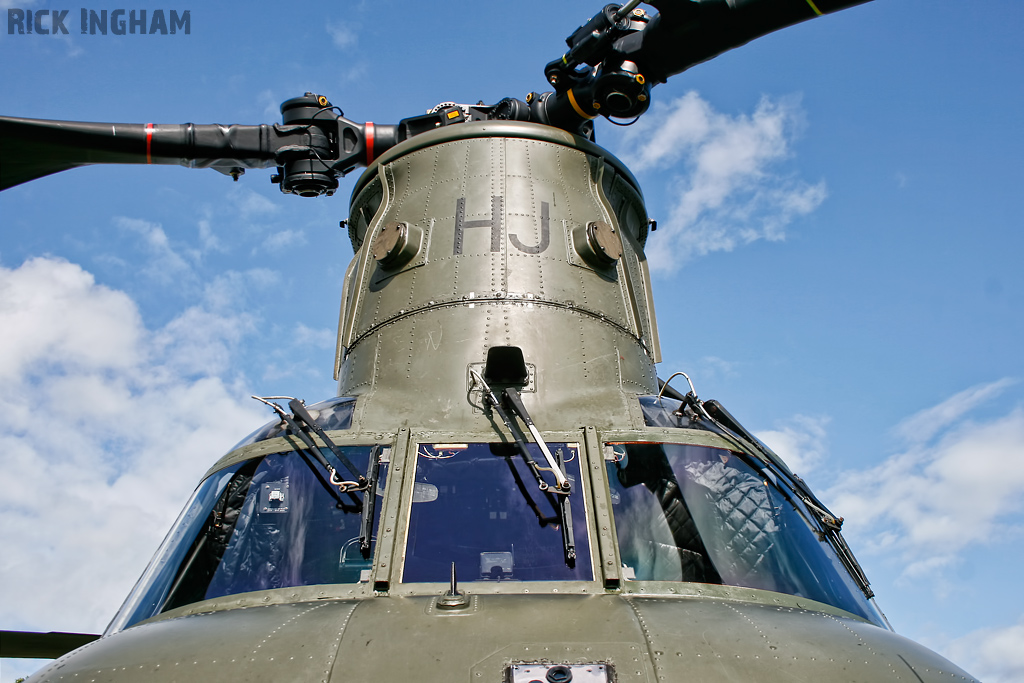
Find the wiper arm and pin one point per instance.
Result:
(346, 487)
(557, 467)
(353, 503)
(513, 429)
(530, 502)
(561, 505)
(723, 419)
(299, 410)
(516, 401)
(369, 503)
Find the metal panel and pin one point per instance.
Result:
(495, 271)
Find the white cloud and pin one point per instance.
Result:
(70, 42)
(271, 104)
(166, 265)
(925, 424)
(801, 442)
(320, 338)
(101, 330)
(207, 238)
(729, 193)
(200, 340)
(995, 655)
(284, 239)
(251, 204)
(108, 427)
(713, 366)
(957, 482)
(354, 72)
(342, 36)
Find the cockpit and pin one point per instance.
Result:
(643, 511)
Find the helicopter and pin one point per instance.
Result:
(596, 248)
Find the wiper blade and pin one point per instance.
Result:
(724, 419)
(369, 503)
(565, 510)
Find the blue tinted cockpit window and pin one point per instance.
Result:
(663, 412)
(269, 522)
(478, 505)
(700, 514)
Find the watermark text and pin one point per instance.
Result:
(117, 22)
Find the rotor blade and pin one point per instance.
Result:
(689, 32)
(33, 148)
(32, 645)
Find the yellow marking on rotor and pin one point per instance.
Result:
(576, 106)
(814, 7)
(454, 114)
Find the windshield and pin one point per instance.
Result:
(263, 523)
(693, 513)
(479, 506)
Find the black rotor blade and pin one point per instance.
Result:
(34, 645)
(688, 32)
(33, 148)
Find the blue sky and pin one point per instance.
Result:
(838, 261)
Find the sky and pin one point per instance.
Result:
(837, 261)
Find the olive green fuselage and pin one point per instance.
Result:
(501, 211)
(467, 238)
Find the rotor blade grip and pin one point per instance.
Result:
(216, 145)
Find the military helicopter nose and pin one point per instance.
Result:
(708, 634)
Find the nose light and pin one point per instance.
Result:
(559, 674)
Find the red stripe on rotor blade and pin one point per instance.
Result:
(149, 143)
(369, 143)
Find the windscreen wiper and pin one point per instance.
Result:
(530, 502)
(513, 429)
(515, 400)
(336, 486)
(562, 489)
(369, 502)
(564, 509)
(560, 504)
(299, 410)
(766, 459)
